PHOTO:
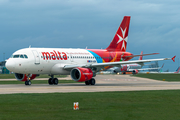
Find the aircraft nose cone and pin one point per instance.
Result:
(10, 65)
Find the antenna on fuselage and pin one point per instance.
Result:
(30, 46)
(86, 47)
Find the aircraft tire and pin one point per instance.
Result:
(92, 81)
(55, 81)
(50, 81)
(28, 82)
(87, 82)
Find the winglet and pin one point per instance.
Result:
(173, 58)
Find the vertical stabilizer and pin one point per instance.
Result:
(177, 71)
(140, 58)
(119, 41)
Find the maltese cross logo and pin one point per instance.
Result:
(123, 39)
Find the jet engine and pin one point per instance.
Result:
(135, 72)
(81, 74)
(23, 77)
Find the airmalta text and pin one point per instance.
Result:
(55, 55)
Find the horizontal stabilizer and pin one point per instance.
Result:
(173, 58)
(141, 55)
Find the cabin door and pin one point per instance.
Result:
(36, 57)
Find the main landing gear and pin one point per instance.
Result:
(53, 80)
(90, 82)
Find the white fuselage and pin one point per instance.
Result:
(132, 66)
(48, 60)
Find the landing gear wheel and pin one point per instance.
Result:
(27, 82)
(92, 81)
(87, 82)
(50, 81)
(55, 81)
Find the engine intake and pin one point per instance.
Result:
(81, 74)
(23, 77)
(135, 72)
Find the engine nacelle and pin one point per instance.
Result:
(135, 71)
(81, 74)
(23, 77)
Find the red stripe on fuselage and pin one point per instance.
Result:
(115, 56)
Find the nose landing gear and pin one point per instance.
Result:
(28, 82)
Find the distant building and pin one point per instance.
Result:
(3, 69)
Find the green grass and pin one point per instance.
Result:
(167, 77)
(139, 105)
(11, 76)
(36, 82)
(7, 76)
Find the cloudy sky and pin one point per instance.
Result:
(154, 25)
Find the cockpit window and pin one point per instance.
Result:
(19, 56)
(16, 56)
(25, 56)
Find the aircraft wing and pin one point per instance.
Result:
(101, 65)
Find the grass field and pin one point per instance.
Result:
(11, 76)
(139, 105)
(167, 77)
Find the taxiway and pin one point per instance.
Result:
(103, 83)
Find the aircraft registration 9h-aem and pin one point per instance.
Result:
(81, 64)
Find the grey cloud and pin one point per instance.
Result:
(66, 23)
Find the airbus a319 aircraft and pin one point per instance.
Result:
(81, 64)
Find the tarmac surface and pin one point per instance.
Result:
(103, 83)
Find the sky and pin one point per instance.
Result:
(154, 25)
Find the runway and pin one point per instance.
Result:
(103, 83)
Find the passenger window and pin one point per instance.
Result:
(21, 56)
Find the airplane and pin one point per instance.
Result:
(81, 64)
(134, 68)
(177, 71)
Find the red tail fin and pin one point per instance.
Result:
(119, 41)
(140, 58)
